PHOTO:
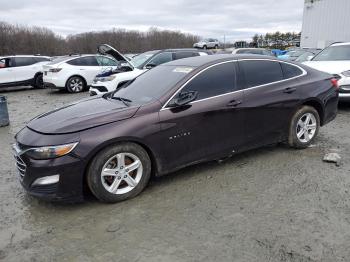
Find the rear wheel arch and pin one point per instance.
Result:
(76, 75)
(318, 106)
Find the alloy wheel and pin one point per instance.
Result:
(121, 173)
(306, 128)
(76, 85)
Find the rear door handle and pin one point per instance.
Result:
(234, 103)
(290, 90)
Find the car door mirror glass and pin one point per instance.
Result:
(183, 98)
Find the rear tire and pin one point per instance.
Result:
(119, 172)
(304, 127)
(38, 81)
(205, 47)
(75, 84)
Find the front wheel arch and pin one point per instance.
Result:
(154, 163)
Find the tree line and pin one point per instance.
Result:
(18, 39)
(277, 40)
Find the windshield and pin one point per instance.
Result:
(153, 84)
(140, 59)
(296, 53)
(334, 53)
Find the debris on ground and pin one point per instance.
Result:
(332, 158)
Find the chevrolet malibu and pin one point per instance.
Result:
(175, 115)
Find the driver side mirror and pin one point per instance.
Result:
(150, 66)
(183, 98)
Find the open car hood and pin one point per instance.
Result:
(81, 115)
(105, 49)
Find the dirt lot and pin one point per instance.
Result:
(271, 204)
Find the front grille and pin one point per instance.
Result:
(21, 166)
(45, 189)
(101, 88)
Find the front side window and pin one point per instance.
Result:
(2, 63)
(139, 60)
(84, 61)
(217, 80)
(105, 61)
(161, 58)
(24, 61)
(290, 71)
(261, 72)
(334, 53)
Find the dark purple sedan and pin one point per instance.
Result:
(175, 115)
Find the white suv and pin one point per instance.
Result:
(207, 43)
(22, 70)
(335, 60)
(110, 81)
(75, 73)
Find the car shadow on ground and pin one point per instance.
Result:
(196, 170)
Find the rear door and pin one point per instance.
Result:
(25, 68)
(210, 126)
(269, 99)
(87, 67)
(7, 74)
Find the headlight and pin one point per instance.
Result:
(346, 73)
(48, 152)
(104, 79)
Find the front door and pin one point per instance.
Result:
(7, 74)
(209, 127)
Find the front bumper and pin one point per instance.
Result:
(39, 177)
(97, 90)
(344, 93)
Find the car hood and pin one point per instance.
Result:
(81, 115)
(331, 67)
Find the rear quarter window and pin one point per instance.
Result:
(261, 72)
(84, 61)
(290, 71)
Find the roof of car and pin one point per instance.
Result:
(203, 60)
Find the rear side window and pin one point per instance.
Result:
(180, 55)
(84, 61)
(290, 71)
(24, 61)
(217, 80)
(260, 72)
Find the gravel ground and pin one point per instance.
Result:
(271, 204)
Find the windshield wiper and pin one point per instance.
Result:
(124, 100)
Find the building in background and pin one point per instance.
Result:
(325, 22)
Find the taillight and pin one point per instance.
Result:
(335, 83)
(55, 70)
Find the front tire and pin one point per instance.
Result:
(75, 84)
(119, 172)
(304, 127)
(205, 47)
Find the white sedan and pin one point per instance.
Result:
(75, 73)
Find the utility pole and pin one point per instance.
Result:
(224, 41)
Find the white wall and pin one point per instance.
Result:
(325, 22)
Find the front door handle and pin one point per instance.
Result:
(289, 90)
(234, 103)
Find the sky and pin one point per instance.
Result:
(237, 19)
